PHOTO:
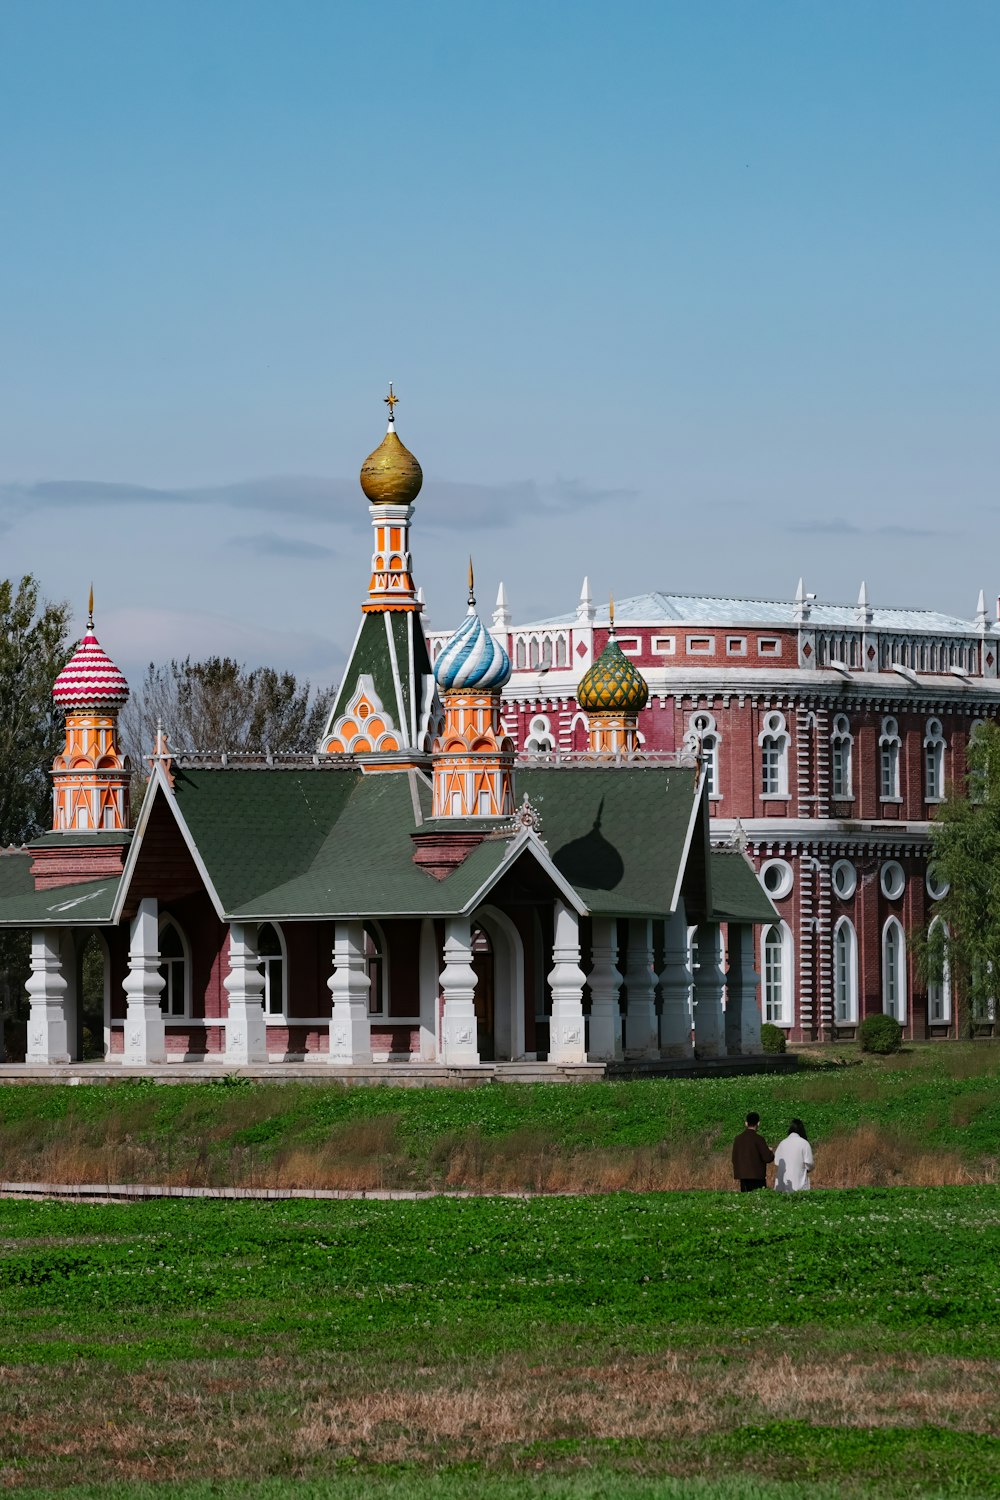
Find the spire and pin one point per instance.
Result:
(611, 616)
(91, 776)
(802, 603)
(864, 608)
(501, 614)
(585, 608)
(472, 587)
(473, 755)
(982, 618)
(90, 609)
(390, 402)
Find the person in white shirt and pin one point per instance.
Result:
(793, 1160)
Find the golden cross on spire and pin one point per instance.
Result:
(390, 402)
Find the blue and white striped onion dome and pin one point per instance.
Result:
(472, 659)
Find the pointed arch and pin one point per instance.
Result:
(175, 969)
(273, 964)
(777, 971)
(845, 973)
(939, 990)
(894, 990)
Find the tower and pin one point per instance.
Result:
(612, 694)
(91, 777)
(473, 756)
(386, 707)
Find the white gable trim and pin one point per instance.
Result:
(529, 841)
(697, 804)
(159, 784)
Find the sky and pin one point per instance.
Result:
(691, 297)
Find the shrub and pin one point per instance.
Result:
(772, 1038)
(881, 1034)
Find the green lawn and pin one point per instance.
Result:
(622, 1345)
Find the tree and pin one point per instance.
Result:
(965, 862)
(219, 704)
(34, 648)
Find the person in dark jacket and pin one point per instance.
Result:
(751, 1155)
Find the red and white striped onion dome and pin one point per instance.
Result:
(90, 678)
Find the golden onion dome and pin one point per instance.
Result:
(612, 685)
(391, 475)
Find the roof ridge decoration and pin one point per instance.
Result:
(526, 818)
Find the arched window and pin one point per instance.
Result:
(841, 767)
(377, 969)
(175, 970)
(533, 653)
(776, 969)
(934, 761)
(939, 990)
(889, 747)
(520, 654)
(894, 971)
(773, 741)
(701, 727)
(540, 740)
(845, 973)
(271, 950)
(546, 651)
(562, 651)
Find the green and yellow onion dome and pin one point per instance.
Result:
(391, 475)
(612, 685)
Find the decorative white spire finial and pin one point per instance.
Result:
(501, 614)
(585, 608)
(864, 608)
(982, 618)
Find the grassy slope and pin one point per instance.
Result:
(932, 1103)
(847, 1339)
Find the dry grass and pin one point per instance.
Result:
(300, 1417)
(367, 1154)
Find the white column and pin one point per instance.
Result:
(246, 1029)
(350, 1024)
(642, 1033)
(429, 990)
(566, 980)
(459, 1028)
(605, 1041)
(709, 983)
(675, 987)
(145, 1038)
(742, 979)
(48, 1025)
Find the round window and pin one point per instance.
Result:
(937, 889)
(893, 880)
(845, 879)
(777, 877)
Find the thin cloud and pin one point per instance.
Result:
(838, 527)
(270, 544)
(442, 502)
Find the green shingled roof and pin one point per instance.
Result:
(737, 894)
(22, 906)
(618, 834)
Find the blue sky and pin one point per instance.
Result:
(697, 297)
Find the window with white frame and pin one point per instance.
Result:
(844, 878)
(702, 726)
(773, 741)
(845, 973)
(892, 879)
(894, 971)
(664, 645)
(540, 740)
(175, 970)
(841, 759)
(889, 748)
(939, 989)
(700, 645)
(768, 645)
(271, 963)
(934, 748)
(776, 973)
